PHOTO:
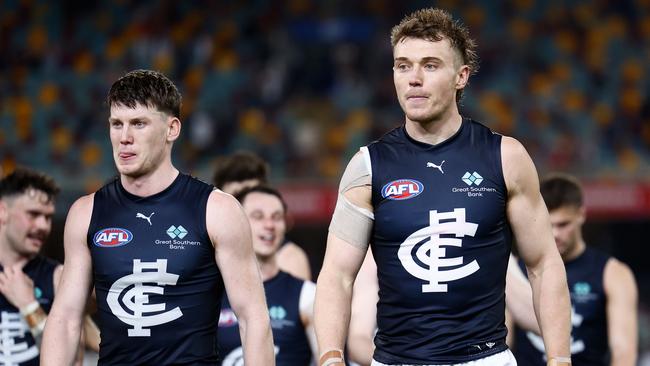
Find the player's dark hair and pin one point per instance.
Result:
(23, 179)
(433, 25)
(148, 88)
(240, 166)
(241, 196)
(559, 190)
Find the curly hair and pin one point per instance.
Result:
(23, 179)
(433, 25)
(148, 88)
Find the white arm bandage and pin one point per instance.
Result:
(351, 223)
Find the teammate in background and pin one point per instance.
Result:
(603, 290)
(438, 199)
(290, 300)
(244, 169)
(159, 246)
(28, 280)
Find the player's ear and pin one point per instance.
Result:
(173, 128)
(462, 76)
(583, 214)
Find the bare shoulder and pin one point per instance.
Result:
(291, 250)
(618, 276)
(80, 212)
(293, 259)
(222, 204)
(518, 169)
(224, 216)
(83, 205)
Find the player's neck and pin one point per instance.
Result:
(152, 183)
(576, 251)
(10, 258)
(268, 267)
(436, 130)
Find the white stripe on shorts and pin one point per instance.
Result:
(504, 358)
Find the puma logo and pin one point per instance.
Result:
(439, 167)
(141, 216)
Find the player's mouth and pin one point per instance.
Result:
(416, 98)
(268, 239)
(126, 156)
(36, 238)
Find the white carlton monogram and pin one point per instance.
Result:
(432, 254)
(577, 346)
(12, 326)
(137, 300)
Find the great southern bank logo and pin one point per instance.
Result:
(112, 237)
(472, 178)
(176, 232)
(277, 313)
(402, 189)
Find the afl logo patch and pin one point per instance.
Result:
(402, 189)
(112, 237)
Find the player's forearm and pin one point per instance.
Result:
(60, 340)
(332, 311)
(621, 359)
(360, 349)
(257, 339)
(552, 306)
(625, 353)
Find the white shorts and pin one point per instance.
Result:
(504, 358)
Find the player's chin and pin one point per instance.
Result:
(129, 170)
(32, 249)
(420, 115)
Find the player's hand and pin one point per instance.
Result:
(16, 286)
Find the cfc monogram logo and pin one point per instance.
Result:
(12, 327)
(433, 255)
(137, 300)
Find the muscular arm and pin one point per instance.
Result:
(531, 227)
(363, 318)
(63, 327)
(621, 292)
(230, 233)
(334, 289)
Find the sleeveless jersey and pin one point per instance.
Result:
(157, 282)
(589, 344)
(441, 242)
(290, 340)
(18, 345)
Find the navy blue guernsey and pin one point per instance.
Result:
(589, 344)
(18, 346)
(157, 282)
(441, 242)
(289, 337)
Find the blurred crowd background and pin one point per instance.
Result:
(304, 83)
